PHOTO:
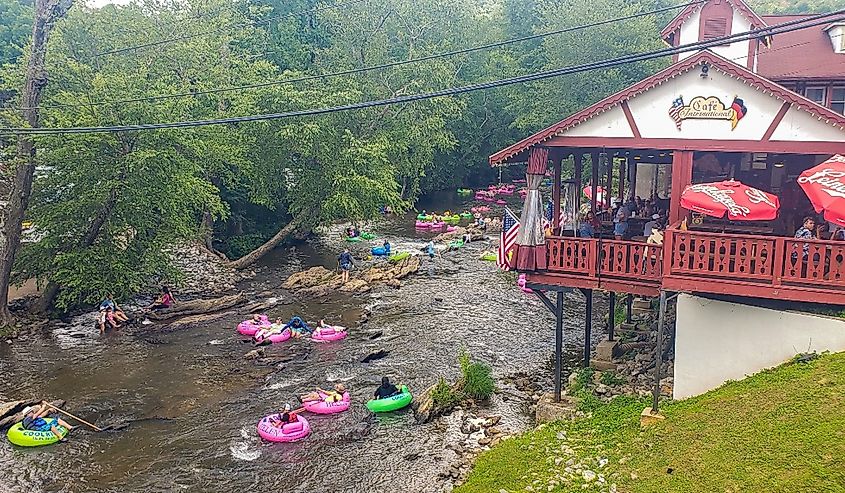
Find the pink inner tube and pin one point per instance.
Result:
(449, 229)
(248, 328)
(290, 432)
(273, 338)
(501, 202)
(422, 224)
(437, 225)
(323, 407)
(326, 334)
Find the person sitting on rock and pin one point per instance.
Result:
(386, 389)
(34, 419)
(119, 315)
(298, 327)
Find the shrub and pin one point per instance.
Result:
(583, 380)
(443, 396)
(478, 378)
(610, 378)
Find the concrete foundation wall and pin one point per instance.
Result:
(717, 341)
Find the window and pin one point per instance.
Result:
(816, 94)
(715, 28)
(837, 99)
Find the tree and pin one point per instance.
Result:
(15, 26)
(47, 13)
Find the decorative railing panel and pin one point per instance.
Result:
(628, 259)
(813, 263)
(571, 255)
(722, 255)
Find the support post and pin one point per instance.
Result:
(632, 178)
(588, 326)
(594, 183)
(609, 189)
(658, 357)
(629, 304)
(555, 222)
(681, 177)
(577, 157)
(611, 309)
(558, 343)
(623, 169)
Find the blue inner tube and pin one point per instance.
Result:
(380, 251)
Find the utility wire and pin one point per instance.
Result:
(383, 66)
(214, 31)
(785, 27)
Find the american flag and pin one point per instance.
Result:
(510, 227)
(547, 218)
(675, 111)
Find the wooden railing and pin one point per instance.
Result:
(757, 266)
(590, 257)
(696, 261)
(634, 260)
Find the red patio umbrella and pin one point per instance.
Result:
(825, 187)
(602, 198)
(740, 202)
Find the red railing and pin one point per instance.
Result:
(634, 260)
(590, 257)
(722, 255)
(696, 261)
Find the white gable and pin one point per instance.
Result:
(612, 123)
(650, 111)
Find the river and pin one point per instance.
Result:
(198, 399)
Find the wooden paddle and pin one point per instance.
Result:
(74, 417)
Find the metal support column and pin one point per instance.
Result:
(658, 357)
(588, 326)
(611, 315)
(629, 306)
(558, 343)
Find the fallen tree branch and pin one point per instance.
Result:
(199, 307)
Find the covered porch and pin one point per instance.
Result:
(645, 145)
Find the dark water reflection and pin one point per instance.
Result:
(200, 400)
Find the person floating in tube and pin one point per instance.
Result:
(386, 389)
(298, 327)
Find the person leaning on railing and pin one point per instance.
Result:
(806, 232)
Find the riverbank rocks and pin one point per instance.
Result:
(204, 273)
(320, 282)
(548, 410)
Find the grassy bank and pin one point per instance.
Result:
(780, 430)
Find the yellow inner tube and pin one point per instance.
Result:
(30, 438)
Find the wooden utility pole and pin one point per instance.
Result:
(47, 12)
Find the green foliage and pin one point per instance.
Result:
(478, 380)
(584, 379)
(15, 28)
(611, 378)
(240, 245)
(779, 430)
(443, 395)
(796, 7)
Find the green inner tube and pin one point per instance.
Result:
(465, 191)
(353, 239)
(396, 257)
(393, 403)
(456, 244)
(490, 257)
(29, 438)
(368, 236)
(466, 215)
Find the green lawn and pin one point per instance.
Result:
(782, 430)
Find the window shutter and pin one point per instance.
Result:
(715, 27)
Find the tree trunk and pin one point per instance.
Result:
(198, 307)
(47, 12)
(208, 235)
(45, 303)
(279, 237)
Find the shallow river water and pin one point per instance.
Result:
(194, 400)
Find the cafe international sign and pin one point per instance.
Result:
(707, 108)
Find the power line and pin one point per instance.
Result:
(745, 36)
(383, 66)
(214, 31)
